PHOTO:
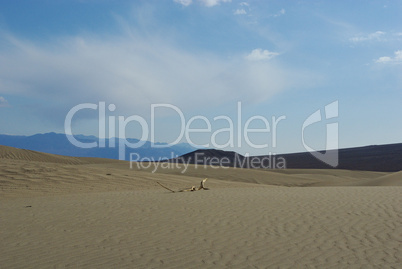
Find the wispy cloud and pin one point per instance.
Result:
(261, 55)
(134, 72)
(396, 59)
(244, 8)
(376, 36)
(3, 102)
(211, 3)
(240, 11)
(279, 13)
(184, 2)
(207, 3)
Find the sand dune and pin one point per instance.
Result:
(290, 177)
(30, 155)
(60, 211)
(391, 179)
(26, 164)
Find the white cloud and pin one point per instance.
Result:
(207, 3)
(3, 102)
(280, 13)
(376, 36)
(133, 72)
(211, 3)
(184, 2)
(244, 4)
(240, 11)
(398, 55)
(259, 55)
(384, 59)
(396, 59)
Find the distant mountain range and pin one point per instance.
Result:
(59, 144)
(381, 158)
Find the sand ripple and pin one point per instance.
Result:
(334, 227)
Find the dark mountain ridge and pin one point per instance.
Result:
(381, 158)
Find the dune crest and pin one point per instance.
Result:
(11, 153)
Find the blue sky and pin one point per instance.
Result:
(278, 58)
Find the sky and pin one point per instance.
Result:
(247, 76)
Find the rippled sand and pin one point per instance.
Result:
(90, 213)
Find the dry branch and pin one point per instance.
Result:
(165, 187)
(202, 185)
(193, 188)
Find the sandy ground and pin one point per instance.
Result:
(58, 212)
